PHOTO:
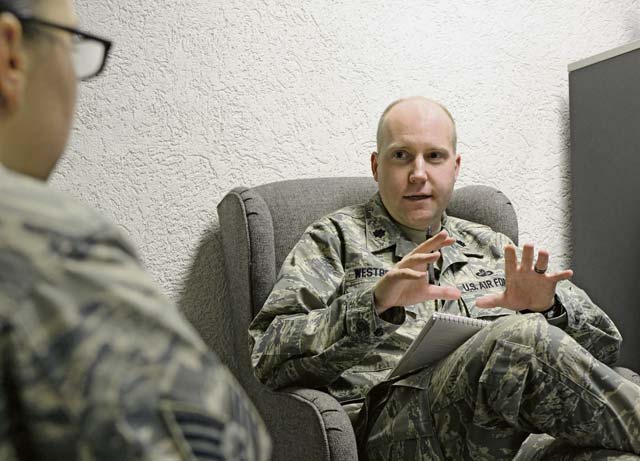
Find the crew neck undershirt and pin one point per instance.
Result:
(416, 236)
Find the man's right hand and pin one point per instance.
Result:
(407, 282)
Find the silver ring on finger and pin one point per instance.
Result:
(539, 271)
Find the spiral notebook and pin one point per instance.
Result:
(442, 334)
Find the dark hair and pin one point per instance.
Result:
(21, 9)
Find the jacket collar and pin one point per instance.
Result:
(458, 253)
(383, 233)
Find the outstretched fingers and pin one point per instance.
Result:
(418, 260)
(510, 259)
(526, 262)
(542, 263)
(445, 292)
(561, 275)
(406, 273)
(441, 239)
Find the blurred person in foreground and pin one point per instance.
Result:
(95, 363)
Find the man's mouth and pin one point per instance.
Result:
(417, 197)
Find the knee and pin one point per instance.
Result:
(533, 335)
(527, 330)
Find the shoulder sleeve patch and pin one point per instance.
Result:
(202, 436)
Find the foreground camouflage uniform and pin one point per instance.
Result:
(319, 329)
(94, 362)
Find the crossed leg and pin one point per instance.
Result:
(518, 376)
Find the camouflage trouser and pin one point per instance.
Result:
(543, 447)
(518, 376)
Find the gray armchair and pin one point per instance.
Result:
(259, 226)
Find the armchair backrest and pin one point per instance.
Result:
(269, 219)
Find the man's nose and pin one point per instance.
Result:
(418, 172)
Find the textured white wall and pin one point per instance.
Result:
(201, 96)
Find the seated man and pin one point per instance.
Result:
(95, 363)
(354, 292)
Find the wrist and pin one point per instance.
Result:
(379, 309)
(556, 309)
(552, 312)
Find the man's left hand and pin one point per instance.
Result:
(528, 286)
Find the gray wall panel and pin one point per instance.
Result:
(605, 169)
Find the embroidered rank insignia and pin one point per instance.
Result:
(202, 436)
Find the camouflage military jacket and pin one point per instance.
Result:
(95, 362)
(318, 328)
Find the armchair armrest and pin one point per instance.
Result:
(305, 424)
(337, 428)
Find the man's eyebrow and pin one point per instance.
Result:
(397, 145)
(404, 145)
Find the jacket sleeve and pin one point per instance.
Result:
(309, 330)
(589, 325)
(583, 320)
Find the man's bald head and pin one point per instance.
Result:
(416, 164)
(427, 104)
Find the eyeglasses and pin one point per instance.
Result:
(89, 53)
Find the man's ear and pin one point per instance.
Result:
(12, 60)
(458, 160)
(374, 165)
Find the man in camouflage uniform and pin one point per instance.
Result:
(95, 363)
(355, 292)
